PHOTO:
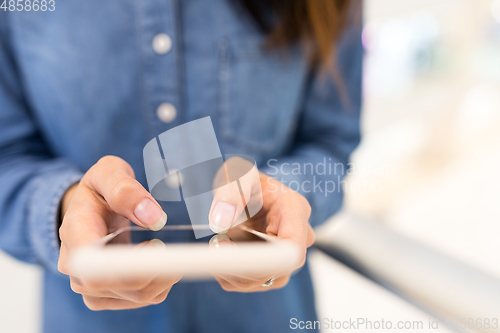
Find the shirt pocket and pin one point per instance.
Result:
(259, 93)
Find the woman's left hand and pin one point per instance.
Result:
(285, 214)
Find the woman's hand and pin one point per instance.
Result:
(107, 197)
(285, 214)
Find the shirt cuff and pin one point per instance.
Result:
(43, 216)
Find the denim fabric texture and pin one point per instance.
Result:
(84, 81)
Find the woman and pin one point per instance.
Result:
(281, 81)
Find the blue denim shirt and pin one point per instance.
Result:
(84, 81)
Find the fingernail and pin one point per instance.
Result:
(222, 217)
(220, 240)
(156, 242)
(150, 214)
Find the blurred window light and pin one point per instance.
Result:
(397, 51)
(479, 115)
(495, 10)
(480, 107)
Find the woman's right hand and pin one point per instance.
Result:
(106, 198)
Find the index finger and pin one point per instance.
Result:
(114, 180)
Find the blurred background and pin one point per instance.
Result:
(428, 166)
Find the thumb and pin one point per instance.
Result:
(234, 185)
(227, 206)
(113, 179)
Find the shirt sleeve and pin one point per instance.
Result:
(32, 179)
(328, 131)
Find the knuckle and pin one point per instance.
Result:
(312, 237)
(283, 283)
(122, 189)
(93, 303)
(135, 284)
(161, 297)
(243, 284)
(93, 284)
(302, 258)
(226, 286)
(108, 159)
(238, 284)
(158, 300)
(304, 203)
(62, 267)
(114, 162)
(102, 164)
(63, 231)
(143, 297)
(62, 264)
(248, 287)
(77, 288)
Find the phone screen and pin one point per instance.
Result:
(171, 234)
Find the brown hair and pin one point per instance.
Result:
(318, 23)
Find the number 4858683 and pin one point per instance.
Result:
(28, 5)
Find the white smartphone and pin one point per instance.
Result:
(129, 252)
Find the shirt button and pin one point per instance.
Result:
(166, 112)
(162, 43)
